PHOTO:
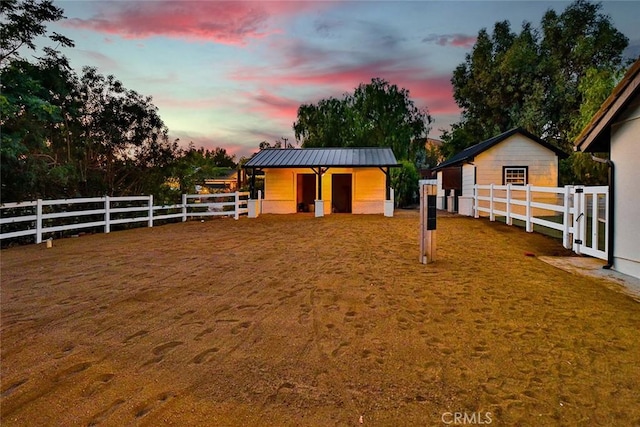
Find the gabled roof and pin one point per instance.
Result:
(471, 152)
(596, 136)
(329, 157)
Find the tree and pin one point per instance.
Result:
(377, 114)
(22, 22)
(122, 133)
(192, 166)
(533, 79)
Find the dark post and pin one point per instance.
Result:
(319, 182)
(388, 184)
(252, 184)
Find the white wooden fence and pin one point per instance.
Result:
(580, 213)
(41, 217)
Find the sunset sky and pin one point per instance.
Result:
(232, 74)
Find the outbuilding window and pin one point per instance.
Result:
(516, 175)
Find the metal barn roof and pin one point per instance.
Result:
(330, 157)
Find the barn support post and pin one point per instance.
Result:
(252, 184)
(319, 203)
(388, 193)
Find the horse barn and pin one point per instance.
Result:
(325, 180)
(514, 157)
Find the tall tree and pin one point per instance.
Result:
(23, 22)
(533, 79)
(377, 114)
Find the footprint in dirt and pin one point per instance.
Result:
(98, 384)
(204, 356)
(160, 351)
(105, 413)
(152, 404)
(71, 371)
(13, 387)
(136, 335)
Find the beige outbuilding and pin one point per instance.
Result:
(514, 157)
(325, 180)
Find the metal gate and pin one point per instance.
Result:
(591, 221)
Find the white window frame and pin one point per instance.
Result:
(521, 179)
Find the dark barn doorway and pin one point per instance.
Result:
(341, 191)
(306, 191)
(452, 180)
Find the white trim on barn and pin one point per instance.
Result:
(615, 128)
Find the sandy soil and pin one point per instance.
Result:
(293, 320)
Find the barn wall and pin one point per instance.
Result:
(625, 154)
(368, 189)
(518, 150)
(279, 189)
(468, 179)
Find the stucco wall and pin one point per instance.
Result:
(625, 154)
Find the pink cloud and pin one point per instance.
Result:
(274, 106)
(427, 90)
(225, 22)
(456, 40)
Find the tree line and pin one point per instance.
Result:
(70, 135)
(549, 79)
(67, 135)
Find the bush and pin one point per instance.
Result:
(404, 180)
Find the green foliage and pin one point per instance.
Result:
(538, 79)
(404, 180)
(192, 166)
(377, 114)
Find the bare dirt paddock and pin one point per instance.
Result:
(294, 320)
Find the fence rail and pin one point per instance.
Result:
(580, 213)
(41, 217)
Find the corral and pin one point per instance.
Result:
(296, 320)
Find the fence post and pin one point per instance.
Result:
(107, 214)
(184, 207)
(492, 215)
(529, 224)
(39, 221)
(476, 204)
(566, 226)
(150, 210)
(237, 201)
(508, 219)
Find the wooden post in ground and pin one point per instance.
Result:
(428, 195)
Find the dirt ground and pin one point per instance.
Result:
(295, 320)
